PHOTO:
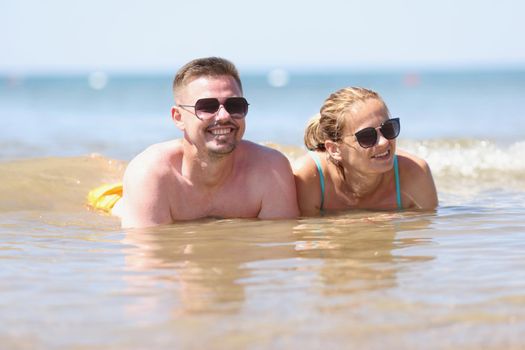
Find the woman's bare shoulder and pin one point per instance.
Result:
(417, 181)
(411, 161)
(305, 167)
(308, 185)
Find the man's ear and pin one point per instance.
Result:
(177, 117)
(333, 149)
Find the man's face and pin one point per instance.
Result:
(219, 135)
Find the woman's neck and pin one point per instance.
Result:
(355, 185)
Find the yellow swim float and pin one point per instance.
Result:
(105, 197)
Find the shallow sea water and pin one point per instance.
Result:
(73, 279)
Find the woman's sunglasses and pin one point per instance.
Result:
(367, 137)
(207, 108)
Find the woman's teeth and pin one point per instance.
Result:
(381, 155)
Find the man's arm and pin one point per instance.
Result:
(279, 197)
(145, 199)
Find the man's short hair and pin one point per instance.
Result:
(204, 67)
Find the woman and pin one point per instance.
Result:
(353, 163)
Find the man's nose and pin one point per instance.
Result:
(222, 113)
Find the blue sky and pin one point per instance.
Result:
(159, 36)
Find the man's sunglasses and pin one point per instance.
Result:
(367, 137)
(207, 108)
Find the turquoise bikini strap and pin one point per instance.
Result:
(317, 161)
(398, 186)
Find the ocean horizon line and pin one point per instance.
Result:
(6, 74)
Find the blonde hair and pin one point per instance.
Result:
(329, 123)
(205, 67)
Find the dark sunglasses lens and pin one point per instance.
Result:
(206, 107)
(366, 137)
(390, 129)
(237, 107)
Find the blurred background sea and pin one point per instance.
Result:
(119, 115)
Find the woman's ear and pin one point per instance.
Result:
(177, 117)
(333, 149)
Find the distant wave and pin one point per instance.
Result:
(453, 157)
(461, 164)
(464, 157)
(460, 167)
(465, 165)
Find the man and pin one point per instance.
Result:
(211, 171)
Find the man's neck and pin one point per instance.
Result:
(204, 169)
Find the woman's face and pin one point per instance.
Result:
(379, 158)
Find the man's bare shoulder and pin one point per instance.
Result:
(261, 166)
(146, 200)
(257, 155)
(157, 158)
(269, 177)
(256, 148)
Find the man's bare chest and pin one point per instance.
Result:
(189, 203)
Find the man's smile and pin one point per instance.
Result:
(218, 130)
(221, 131)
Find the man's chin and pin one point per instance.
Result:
(219, 151)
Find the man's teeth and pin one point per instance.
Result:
(221, 131)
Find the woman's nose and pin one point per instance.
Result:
(381, 140)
